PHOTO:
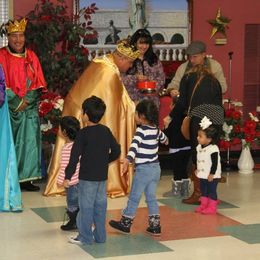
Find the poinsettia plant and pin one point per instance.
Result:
(235, 129)
(50, 109)
(57, 36)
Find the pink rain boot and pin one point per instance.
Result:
(212, 208)
(203, 204)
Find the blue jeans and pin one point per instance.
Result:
(93, 206)
(72, 198)
(209, 189)
(145, 180)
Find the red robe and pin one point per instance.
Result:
(24, 80)
(21, 80)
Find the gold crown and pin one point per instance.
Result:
(127, 50)
(16, 26)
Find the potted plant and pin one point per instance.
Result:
(244, 131)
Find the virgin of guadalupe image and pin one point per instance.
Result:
(138, 17)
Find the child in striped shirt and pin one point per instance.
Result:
(144, 151)
(69, 126)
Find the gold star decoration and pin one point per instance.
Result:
(220, 24)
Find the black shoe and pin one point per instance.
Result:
(154, 231)
(118, 226)
(69, 226)
(28, 186)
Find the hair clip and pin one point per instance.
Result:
(205, 123)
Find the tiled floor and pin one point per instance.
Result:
(233, 232)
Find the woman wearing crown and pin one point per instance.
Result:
(24, 83)
(102, 79)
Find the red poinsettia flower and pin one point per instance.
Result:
(249, 139)
(48, 96)
(46, 18)
(249, 125)
(236, 141)
(224, 144)
(45, 108)
(55, 130)
(236, 115)
(50, 110)
(229, 113)
(72, 58)
(235, 129)
(84, 51)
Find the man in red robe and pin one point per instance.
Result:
(24, 84)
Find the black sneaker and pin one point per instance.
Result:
(154, 231)
(118, 226)
(69, 226)
(28, 186)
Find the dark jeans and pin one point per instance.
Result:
(180, 164)
(209, 189)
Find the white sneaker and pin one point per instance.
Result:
(75, 240)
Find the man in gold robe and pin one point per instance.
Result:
(102, 79)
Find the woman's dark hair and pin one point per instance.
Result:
(145, 37)
(70, 125)
(212, 132)
(94, 108)
(149, 110)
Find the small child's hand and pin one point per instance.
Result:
(125, 163)
(66, 183)
(210, 177)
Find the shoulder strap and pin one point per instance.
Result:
(195, 87)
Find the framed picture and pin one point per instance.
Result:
(168, 21)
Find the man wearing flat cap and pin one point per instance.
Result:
(196, 52)
(102, 79)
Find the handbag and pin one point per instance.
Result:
(185, 126)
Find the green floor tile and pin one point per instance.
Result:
(247, 233)
(121, 245)
(177, 204)
(50, 214)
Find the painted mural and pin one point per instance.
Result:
(167, 20)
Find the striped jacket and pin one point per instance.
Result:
(65, 157)
(145, 144)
